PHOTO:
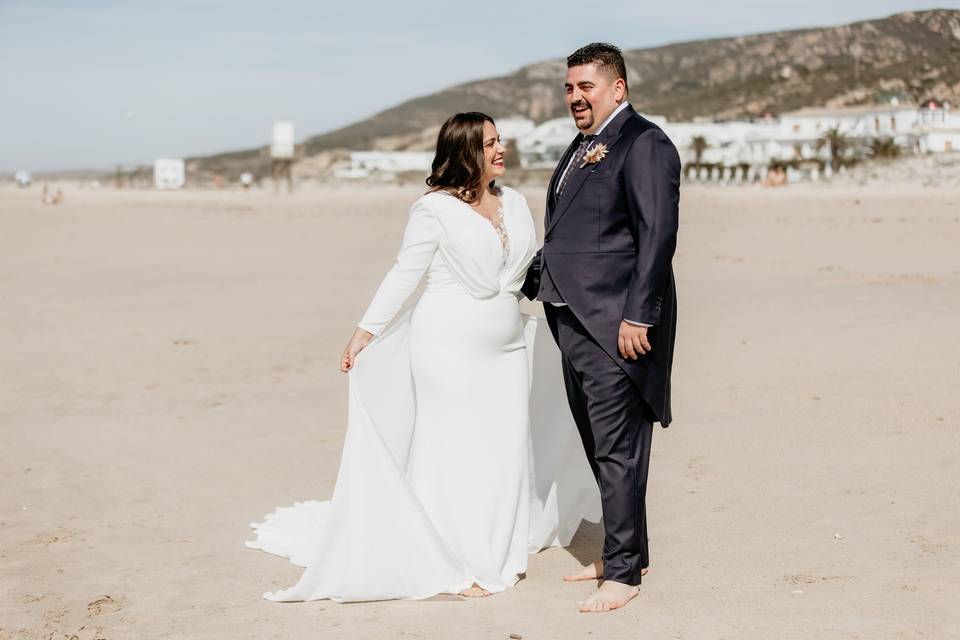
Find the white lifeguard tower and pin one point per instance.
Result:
(169, 173)
(282, 151)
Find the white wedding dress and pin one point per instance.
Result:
(460, 456)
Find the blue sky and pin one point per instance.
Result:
(99, 83)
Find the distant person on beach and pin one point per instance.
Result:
(776, 177)
(460, 456)
(46, 198)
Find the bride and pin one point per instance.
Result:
(460, 456)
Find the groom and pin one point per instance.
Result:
(605, 277)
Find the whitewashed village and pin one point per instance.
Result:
(808, 144)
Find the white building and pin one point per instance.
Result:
(796, 135)
(169, 173)
(870, 121)
(937, 129)
(728, 143)
(365, 163)
(941, 138)
(514, 127)
(544, 145)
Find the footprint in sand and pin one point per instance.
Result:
(926, 546)
(60, 535)
(801, 578)
(30, 598)
(106, 604)
(84, 634)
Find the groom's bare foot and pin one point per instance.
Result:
(474, 591)
(611, 595)
(593, 571)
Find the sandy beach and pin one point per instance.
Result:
(168, 374)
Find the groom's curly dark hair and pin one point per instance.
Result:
(607, 57)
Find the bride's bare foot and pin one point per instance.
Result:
(611, 595)
(474, 591)
(593, 571)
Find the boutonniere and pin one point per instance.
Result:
(596, 153)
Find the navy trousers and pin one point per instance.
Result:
(616, 427)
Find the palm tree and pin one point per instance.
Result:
(838, 142)
(698, 144)
(884, 148)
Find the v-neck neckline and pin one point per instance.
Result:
(500, 209)
(503, 240)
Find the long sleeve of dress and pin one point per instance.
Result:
(420, 241)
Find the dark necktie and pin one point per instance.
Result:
(575, 162)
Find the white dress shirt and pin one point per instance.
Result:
(603, 125)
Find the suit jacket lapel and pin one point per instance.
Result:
(555, 178)
(609, 137)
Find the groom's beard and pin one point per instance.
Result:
(583, 119)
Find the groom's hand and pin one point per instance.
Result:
(633, 341)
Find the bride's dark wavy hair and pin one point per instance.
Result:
(458, 164)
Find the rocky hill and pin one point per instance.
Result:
(914, 53)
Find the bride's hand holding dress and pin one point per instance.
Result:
(358, 342)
